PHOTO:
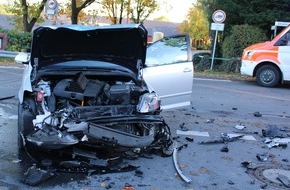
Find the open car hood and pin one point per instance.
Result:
(124, 45)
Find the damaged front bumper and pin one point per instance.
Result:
(131, 131)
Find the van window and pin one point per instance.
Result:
(288, 39)
(284, 40)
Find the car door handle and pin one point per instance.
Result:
(187, 70)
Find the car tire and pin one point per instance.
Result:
(268, 76)
(26, 113)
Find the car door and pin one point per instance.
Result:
(283, 56)
(169, 70)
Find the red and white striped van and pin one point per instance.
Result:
(269, 62)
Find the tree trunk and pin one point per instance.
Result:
(74, 15)
(25, 14)
(27, 26)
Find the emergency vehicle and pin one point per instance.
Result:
(269, 62)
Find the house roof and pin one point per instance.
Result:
(4, 22)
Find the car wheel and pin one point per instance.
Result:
(268, 76)
(26, 113)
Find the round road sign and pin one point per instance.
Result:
(219, 16)
(51, 4)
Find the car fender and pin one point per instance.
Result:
(26, 83)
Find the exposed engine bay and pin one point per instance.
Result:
(85, 110)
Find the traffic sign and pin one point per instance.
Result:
(219, 16)
(217, 26)
(51, 7)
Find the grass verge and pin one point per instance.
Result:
(222, 75)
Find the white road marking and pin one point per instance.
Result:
(245, 137)
(219, 80)
(206, 134)
(193, 133)
(281, 140)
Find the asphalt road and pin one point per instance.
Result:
(218, 106)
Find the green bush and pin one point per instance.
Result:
(17, 40)
(201, 61)
(233, 45)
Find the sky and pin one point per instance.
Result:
(174, 10)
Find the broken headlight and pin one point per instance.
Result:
(148, 102)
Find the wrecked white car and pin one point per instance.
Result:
(85, 86)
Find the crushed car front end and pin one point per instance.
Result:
(84, 86)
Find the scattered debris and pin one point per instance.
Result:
(285, 160)
(176, 165)
(70, 164)
(276, 142)
(257, 114)
(273, 131)
(8, 97)
(99, 162)
(240, 127)
(189, 139)
(209, 121)
(128, 187)
(284, 180)
(231, 182)
(245, 137)
(107, 185)
(263, 186)
(16, 161)
(281, 140)
(225, 149)
(262, 157)
(249, 165)
(182, 127)
(224, 139)
(247, 132)
(138, 173)
(253, 181)
(34, 176)
(142, 185)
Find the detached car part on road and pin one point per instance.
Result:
(85, 86)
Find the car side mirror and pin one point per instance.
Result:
(22, 58)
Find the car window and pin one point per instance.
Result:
(167, 51)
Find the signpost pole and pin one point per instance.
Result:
(51, 8)
(213, 52)
(218, 17)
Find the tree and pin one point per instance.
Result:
(76, 7)
(141, 9)
(196, 25)
(115, 9)
(3, 9)
(26, 14)
(73, 9)
(162, 18)
(136, 10)
(252, 12)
